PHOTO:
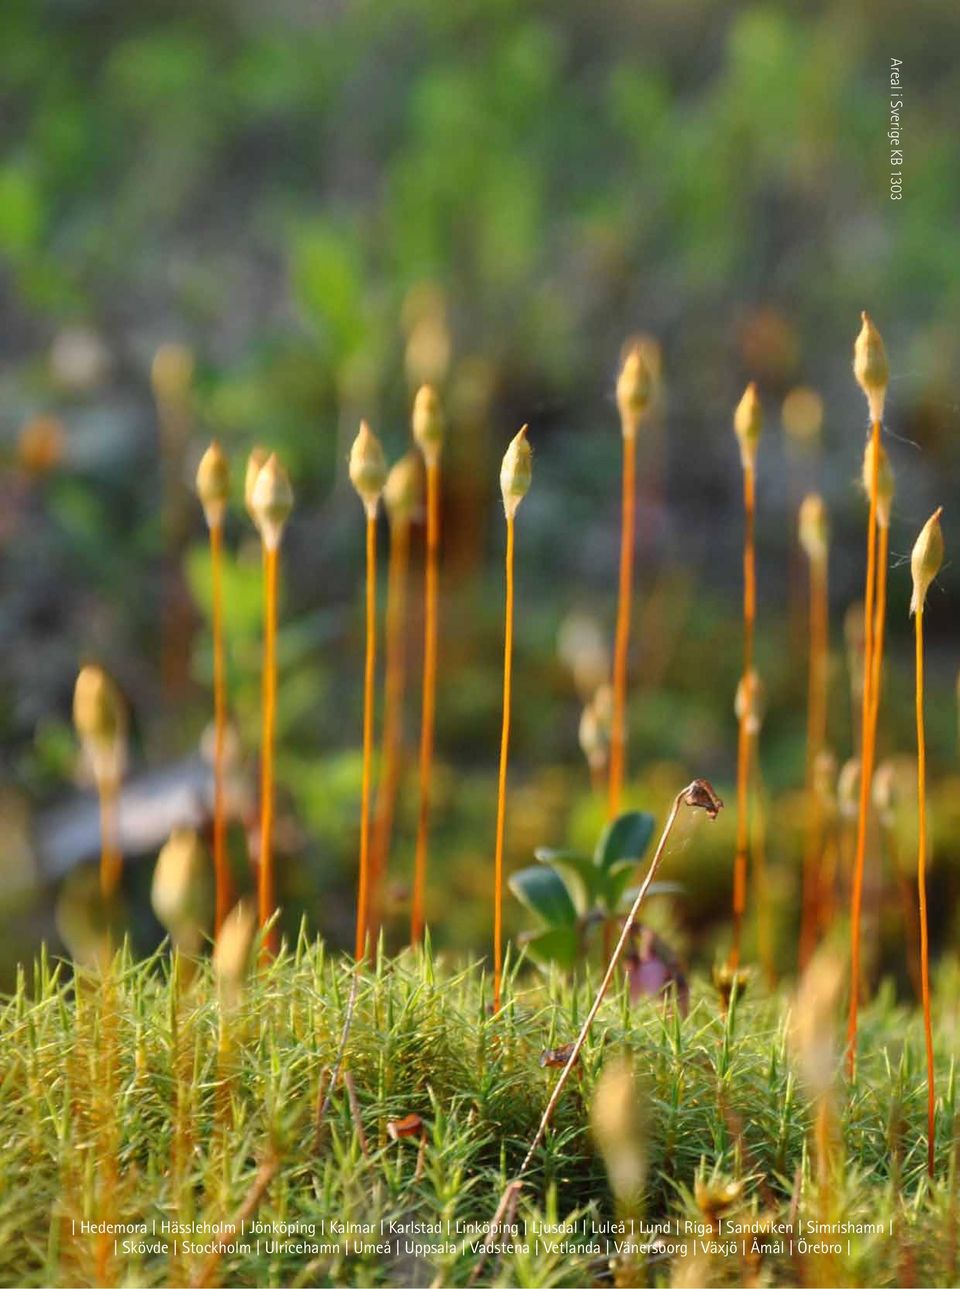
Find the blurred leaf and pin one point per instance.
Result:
(242, 590)
(578, 872)
(560, 945)
(21, 212)
(544, 894)
(627, 837)
(328, 275)
(626, 897)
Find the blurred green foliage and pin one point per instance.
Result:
(329, 203)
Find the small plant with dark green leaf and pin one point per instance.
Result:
(571, 893)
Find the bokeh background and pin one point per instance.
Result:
(327, 203)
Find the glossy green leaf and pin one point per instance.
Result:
(627, 837)
(579, 874)
(544, 894)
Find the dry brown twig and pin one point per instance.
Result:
(698, 794)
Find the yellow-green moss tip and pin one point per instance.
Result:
(635, 387)
(885, 484)
(213, 484)
(98, 711)
(255, 463)
(428, 423)
(271, 501)
(516, 471)
(813, 528)
(926, 559)
(748, 424)
(403, 491)
(870, 366)
(368, 469)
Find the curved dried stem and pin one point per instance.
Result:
(700, 794)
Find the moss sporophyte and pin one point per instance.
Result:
(368, 474)
(270, 504)
(429, 433)
(515, 475)
(872, 374)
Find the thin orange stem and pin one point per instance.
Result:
(221, 868)
(431, 591)
(502, 780)
(111, 861)
(866, 755)
(922, 891)
(363, 893)
(394, 685)
(618, 727)
(758, 843)
(816, 739)
(741, 854)
(266, 892)
(879, 620)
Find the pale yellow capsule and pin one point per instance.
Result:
(368, 469)
(813, 1020)
(635, 388)
(802, 415)
(814, 528)
(594, 731)
(428, 424)
(885, 484)
(516, 472)
(620, 1129)
(403, 490)
(179, 893)
(98, 712)
(748, 424)
(213, 484)
(870, 366)
(255, 463)
(231, 953)
(926, 559)
(171, 373)
(272, 501)
(750, 703)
